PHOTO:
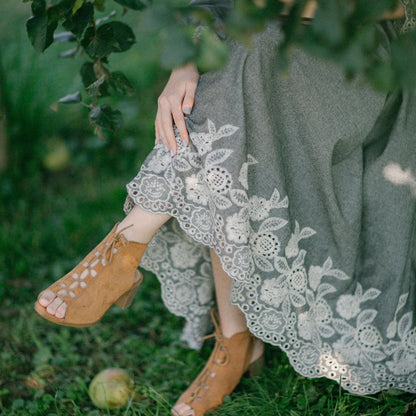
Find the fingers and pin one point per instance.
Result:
(187, 106)
(179, 120)
(164, 123)
(170, 113)
(176, 100)
(189, 99)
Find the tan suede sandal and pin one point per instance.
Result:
(228, 362)
(108, 275)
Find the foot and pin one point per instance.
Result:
(220, 375)
(52, 303)
(108, 273)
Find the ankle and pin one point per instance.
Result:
(229, 331)
(133, 233)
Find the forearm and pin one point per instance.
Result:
(309, 11)
(396, 14)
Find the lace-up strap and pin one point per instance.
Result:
(111, 249)
(107, 275)
(219, 341)
(227, 363)
(92, 266)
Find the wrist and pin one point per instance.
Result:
(189, 66)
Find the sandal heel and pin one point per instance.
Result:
(255, 368)
(126, 299)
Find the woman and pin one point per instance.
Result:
(278, 186)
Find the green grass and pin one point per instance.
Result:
(49, 220)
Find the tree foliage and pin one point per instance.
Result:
(343, 31)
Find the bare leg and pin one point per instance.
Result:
(232, 320)
(144, 226)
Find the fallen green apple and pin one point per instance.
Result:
(111, 388)
(58, 156)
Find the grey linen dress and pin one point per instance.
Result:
(303, 185)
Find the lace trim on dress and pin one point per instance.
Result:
(297, 305)
(410, 15)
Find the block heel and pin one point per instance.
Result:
(256, 367)
(126, 300)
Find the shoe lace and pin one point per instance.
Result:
(110, 249)
(219, 356)
(220, 351)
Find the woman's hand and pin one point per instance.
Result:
(176, 99)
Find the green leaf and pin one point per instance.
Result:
(42, 25)
(177, 48)
(120, 83)
(87, 74)
(121, 35)
(156, 18)
(132, 4)
(78, 4)
(77, 23)
(60, 10)
(358, 53)
(403, 52)
(105, 117)
(382, 76)
(59, 3)
(249, 17)
(330, 20)
(40, 32)
(99, 5)
(89, 79)
(99, 132)
(98, 87)
(110, 37)
(38, 7)
(372, 9)
(213, 52)
(71, 98)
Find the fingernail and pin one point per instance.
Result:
(187, 110)
(166, 149)
(171, 153)
(184, 142)
(156, 141)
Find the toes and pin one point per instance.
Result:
(60, 311)
(54, 305)
(46, 298)
(183, 410)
